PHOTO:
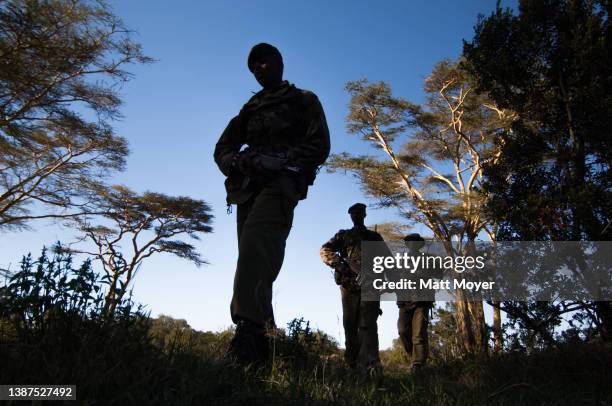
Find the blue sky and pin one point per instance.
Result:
(176, 108)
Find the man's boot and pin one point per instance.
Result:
(249, 344)
(372, 373)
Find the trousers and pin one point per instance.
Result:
(360, 329)
(412, 328)
(263, 225)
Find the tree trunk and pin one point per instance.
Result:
(465, 330)
(475, 311)
(481, 334)
(497, 330)
(604, 313)
(110, 301)
(471, 326)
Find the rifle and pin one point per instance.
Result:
(346, 273)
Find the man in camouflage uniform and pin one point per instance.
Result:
(413, 317)
(343, 253)
(270, 153)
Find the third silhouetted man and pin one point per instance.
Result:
(413, 317)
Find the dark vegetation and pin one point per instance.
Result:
(53, 329)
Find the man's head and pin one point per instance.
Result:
(266, 63)
(358, 213)
(414, 241)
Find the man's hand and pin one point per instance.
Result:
(343, 268)
(345, 277)
(248, 163)
(338, 277)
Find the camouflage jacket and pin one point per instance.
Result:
(408, 298)
(285, 120)
(343, 249)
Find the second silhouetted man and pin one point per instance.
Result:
(343, 253)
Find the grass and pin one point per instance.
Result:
(118, 364)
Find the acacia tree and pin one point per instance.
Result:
(435, 177)
(550, 62)
(130, 227)
(61, 65)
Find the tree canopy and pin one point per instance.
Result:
(551, 63)
(129, 227)
(61, 67)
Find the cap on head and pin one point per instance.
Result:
(260, 50)
(415, 237)
(357, 207)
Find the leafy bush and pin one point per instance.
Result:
(299, 345)
(50, 294)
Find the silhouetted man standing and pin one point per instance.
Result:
(413, 318)
(343, 253)
(270, 153)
